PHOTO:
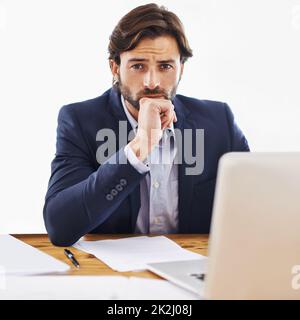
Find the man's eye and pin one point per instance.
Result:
(137, 66)
(165, 66)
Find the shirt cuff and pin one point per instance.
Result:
(139, 165)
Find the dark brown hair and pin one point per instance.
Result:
(150, 21)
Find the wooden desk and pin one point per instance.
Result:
(89, 265)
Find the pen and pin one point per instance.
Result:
(70, 256)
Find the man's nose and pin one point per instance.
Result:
(151, 80)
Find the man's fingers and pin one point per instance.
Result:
(175, 117)
(165, 105)
(166, 111)
(166, 121)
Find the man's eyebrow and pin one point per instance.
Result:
(146, 60)
(137, 60)
(166, 61)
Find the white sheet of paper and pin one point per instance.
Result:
(91, 288)
(18, 257)
(155, 289)
(134, 253)
(62, 287)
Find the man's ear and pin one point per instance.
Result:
(181, 70)
(114, 68)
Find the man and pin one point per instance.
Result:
(161, 180)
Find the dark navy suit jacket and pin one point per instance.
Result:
(79, 201)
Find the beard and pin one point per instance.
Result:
(135, 101)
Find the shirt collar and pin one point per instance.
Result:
(130, 118)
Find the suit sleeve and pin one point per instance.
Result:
(80, 198)
(237, 139)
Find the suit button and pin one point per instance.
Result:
(123, 182)
(114, 192)
(109, 197)
(119, 187)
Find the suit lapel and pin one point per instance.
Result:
(185, 182)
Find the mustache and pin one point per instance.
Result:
(155, 91)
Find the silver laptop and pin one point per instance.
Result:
(254, 244)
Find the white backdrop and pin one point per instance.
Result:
(54, 52)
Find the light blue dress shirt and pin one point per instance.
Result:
(159, 189)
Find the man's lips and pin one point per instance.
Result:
(153, 95)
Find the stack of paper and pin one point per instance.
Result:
(20, 258)
(131, 254)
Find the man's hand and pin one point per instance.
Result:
(154, 116)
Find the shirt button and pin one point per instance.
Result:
(157, 220)
(156, 185)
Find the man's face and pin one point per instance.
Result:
(152, 69)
